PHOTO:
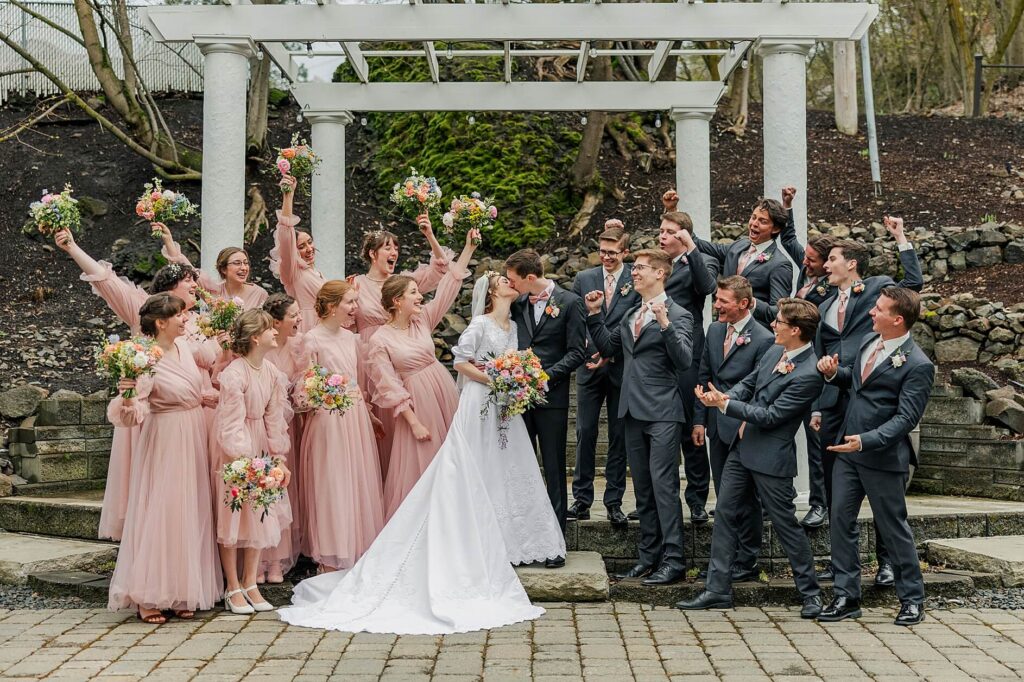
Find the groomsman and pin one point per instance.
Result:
(734, 345)
(551, 321)
(654, 340)
(691, 282)
(844, 323)
(770, 403)
(889, 383)
(599, 379)
(757, 255)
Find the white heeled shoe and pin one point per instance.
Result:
(246, 610)
(260, 606)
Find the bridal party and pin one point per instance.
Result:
(255, 427)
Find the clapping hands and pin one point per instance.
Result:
(711, 397)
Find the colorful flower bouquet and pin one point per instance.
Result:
(216, 315)
(161, 205)
(129, 359)
(329, 391)
(298, 161)
(469, 213)
(255, 481)
(517, 383)
(416, 195)
(55, 212)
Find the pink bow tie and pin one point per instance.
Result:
(534, 300)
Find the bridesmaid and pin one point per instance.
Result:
(168, 554)
(232, 265)
(339, 471)
(275, 562)
(124, 300)
(251, 421)
(408, 379)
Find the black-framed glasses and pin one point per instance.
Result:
(609, 254)
(779, 320)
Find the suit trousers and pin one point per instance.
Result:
(739, 485)
(653, 452)
(589, 398)
(815, 467)
(695, 459)
(885, 491)
(750, 524)
(548, 428)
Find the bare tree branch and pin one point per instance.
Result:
(28, 123)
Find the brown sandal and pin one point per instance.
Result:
(153, 618)
(185, 614)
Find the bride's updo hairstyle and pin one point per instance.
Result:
(247, 327)
(330, 295)
(394, 287)
(162, 306)
(374, 240)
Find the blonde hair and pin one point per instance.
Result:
(330, 295)
(247, 327)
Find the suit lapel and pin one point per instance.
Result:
(526, 313)
(886, 363)
(544, 317)
(825, 305)
(624, 279)
(716, 348)
(768, 253)
(851, 307)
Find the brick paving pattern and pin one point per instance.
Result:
(607, 641)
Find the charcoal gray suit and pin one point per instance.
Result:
(883, 410)
(763, 461)
(651, 406)
(770, 277)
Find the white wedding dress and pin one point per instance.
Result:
(442, 564)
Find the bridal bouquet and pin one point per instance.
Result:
(517, 383)
(162, 205)
(216, 315)
(328, 391)
(469, 213)
(253, 480)
(298, 161)
(129, 359)
(416, 195)
(55, 212)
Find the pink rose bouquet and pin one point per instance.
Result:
(298, 161)
(55, 212)
(517, 382)
(161, 205)
(216, 315)
(256, 481)
(128, 359)
(469, 213)
(326, 390)
(416, 195)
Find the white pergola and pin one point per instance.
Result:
(781, 32)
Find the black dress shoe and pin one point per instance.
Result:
(698, 515)
(740, 575)
(617, 518)
(827, 573)
(557, 562)
(885, 576)
(812, 607)
(702, 575)
(706, 600)
(638, 571)
(840, 608)
(665, 576)
(578, 512)
(910, 614)
(815, 517)
(633, 515)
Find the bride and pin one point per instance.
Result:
(443, 563)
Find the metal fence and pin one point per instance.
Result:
(163, 67)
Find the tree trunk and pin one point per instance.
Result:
(584, 170)
(124, 29)
(965, 58)
(845, 85)
(256, 116)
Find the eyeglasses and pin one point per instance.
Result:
(640, 267)
(779, 320)
(609, 254)
(238, 263)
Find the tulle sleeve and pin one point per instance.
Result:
(174, 254)
(121, 413)
(284, 259)
(229, 425)
(447, 292)
(304, 355)
(428, 275)
(468, 347)
(388, 390)
(278, 414)
(123, 297)
(207, 353)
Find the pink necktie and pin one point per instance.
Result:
(745, 258)
(807, 287)
(609, 289)
(728, 339)
(638, 323)
(841, 315)
(870, 363)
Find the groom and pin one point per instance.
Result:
(552, 321)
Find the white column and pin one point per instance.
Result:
(785, 124)
(327, 214)
(225, 86)
(693, 165)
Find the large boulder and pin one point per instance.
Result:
(957, 349)
(21, 401)
(975, 382)
(1006, 411)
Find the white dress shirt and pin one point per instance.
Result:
(646, 310)
(738, 328)
(832, 314)
(539, 306)
(888, 348)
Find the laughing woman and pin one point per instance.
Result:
(232, 265)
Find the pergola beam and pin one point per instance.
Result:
(658, 59)
(581, 61)
(430, 53)
(517, 96)
(278, 54)
(731, 21)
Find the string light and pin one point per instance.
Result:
(472, 120)
(449, 53)
(744, 64)
(362, 121)
(583, 120)
(657, 121)
(309, 48)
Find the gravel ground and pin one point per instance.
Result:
(24, 597)
(1003, 598)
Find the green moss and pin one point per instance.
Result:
(276, 96)
(521, 160)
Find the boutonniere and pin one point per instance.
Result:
(552, 309)
(822, 289)
(784, 367)
(764, 257)
(898, 358)
(858, 287)
(743, 339)
(626, 288)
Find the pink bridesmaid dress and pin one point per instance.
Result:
(168, 556)
(339, 471)
(301, 280)
(253, 295)
(405, 374)
(251, 421)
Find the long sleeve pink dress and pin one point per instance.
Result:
(405, 374)
(301, 280)
(168, 555)
(251, 421)
(124, 299)
(253, 295)
(339, 470)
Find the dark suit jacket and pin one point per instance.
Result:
(693, 279)
(771, 278)
(592, 279)
(559, 341)
(652, 363)
(774, 405)
(885, 408)
(726, 372)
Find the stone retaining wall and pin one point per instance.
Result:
(67, 440)
(964, 328)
